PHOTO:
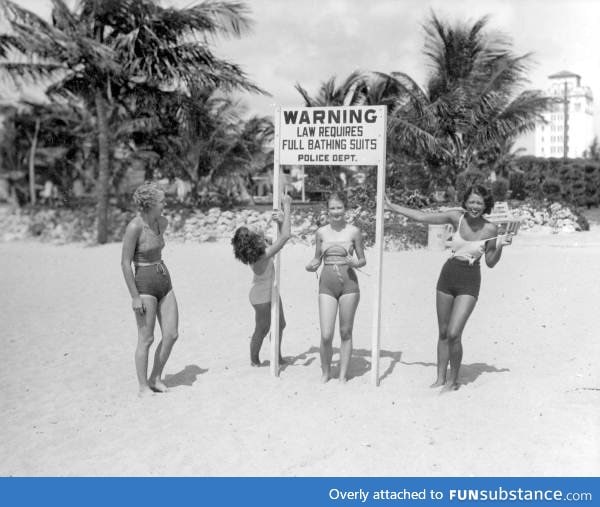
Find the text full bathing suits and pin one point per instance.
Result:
(151, 275)
(337, 277)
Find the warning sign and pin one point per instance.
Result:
(353, 135)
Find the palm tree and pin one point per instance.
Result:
(101, 51)
(471, 100)
(330, 94)
(593, 152)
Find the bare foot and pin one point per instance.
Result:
(438, 383)
(343, 380)
(255, 364)
(145, 391)
(158, 386)
(454, 386)
(325, 378)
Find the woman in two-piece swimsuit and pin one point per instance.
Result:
(250, 247)
(335, 244)
(150, 287)
(460, 278)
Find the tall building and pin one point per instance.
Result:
(569, 125)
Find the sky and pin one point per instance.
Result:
(309, 41)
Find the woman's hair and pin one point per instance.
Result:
(147, 195)
(248, 246)
(338, 196)
(484, 193)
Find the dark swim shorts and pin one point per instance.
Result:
(153, 280)
(458, 278)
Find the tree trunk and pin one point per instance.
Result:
(32, 162)
(103, 168)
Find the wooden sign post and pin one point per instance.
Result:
(341, 136)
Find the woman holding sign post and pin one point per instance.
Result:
(460, 279)
(335, 244)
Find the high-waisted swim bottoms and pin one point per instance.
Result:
(458, 278)
(153, 280)
(337, 280)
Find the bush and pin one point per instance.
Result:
(552, 189)
(500, 189)
(517, 185)
(579, 180)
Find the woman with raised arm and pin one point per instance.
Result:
(460, 278)
(150, 287)
(251, 247)
(335, 244)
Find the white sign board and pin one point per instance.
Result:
(346, 135)
(352, 135)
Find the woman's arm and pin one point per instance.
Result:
(285, 229)
(444, 217)
(493, 247)
(315, 262)
(359, 249)
(132, 233)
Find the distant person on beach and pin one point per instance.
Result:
(150, 287)
(460, 278)
(251, 247)
(335, 244)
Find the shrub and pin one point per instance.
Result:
(552, 189)
(500, 189)
(517, 185)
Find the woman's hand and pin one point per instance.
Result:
(504, 240)
(352, 262)
(138, 305)
(313, 265)
(277, 215)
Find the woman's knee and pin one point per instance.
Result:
(145, 339)
(346, 333)
(326, 337)
(443, 334)
(171, 336)
(453, 336)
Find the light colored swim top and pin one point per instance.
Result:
(262, 284)
(470, 250)
(336, 252)
(149, 246)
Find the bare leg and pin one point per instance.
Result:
(262, 324)
(328, 307)
(282, 324)
(168, 318)
(444, 310)
(348, 305)
(461, 310)
(145, 324)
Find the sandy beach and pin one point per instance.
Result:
(529, 406)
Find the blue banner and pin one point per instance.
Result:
(321, 491)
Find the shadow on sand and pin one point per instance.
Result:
(185, 377)
(360, 362)
(468, 372)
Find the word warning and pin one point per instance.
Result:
(353, 135)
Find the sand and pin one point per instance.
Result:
(529, 404)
